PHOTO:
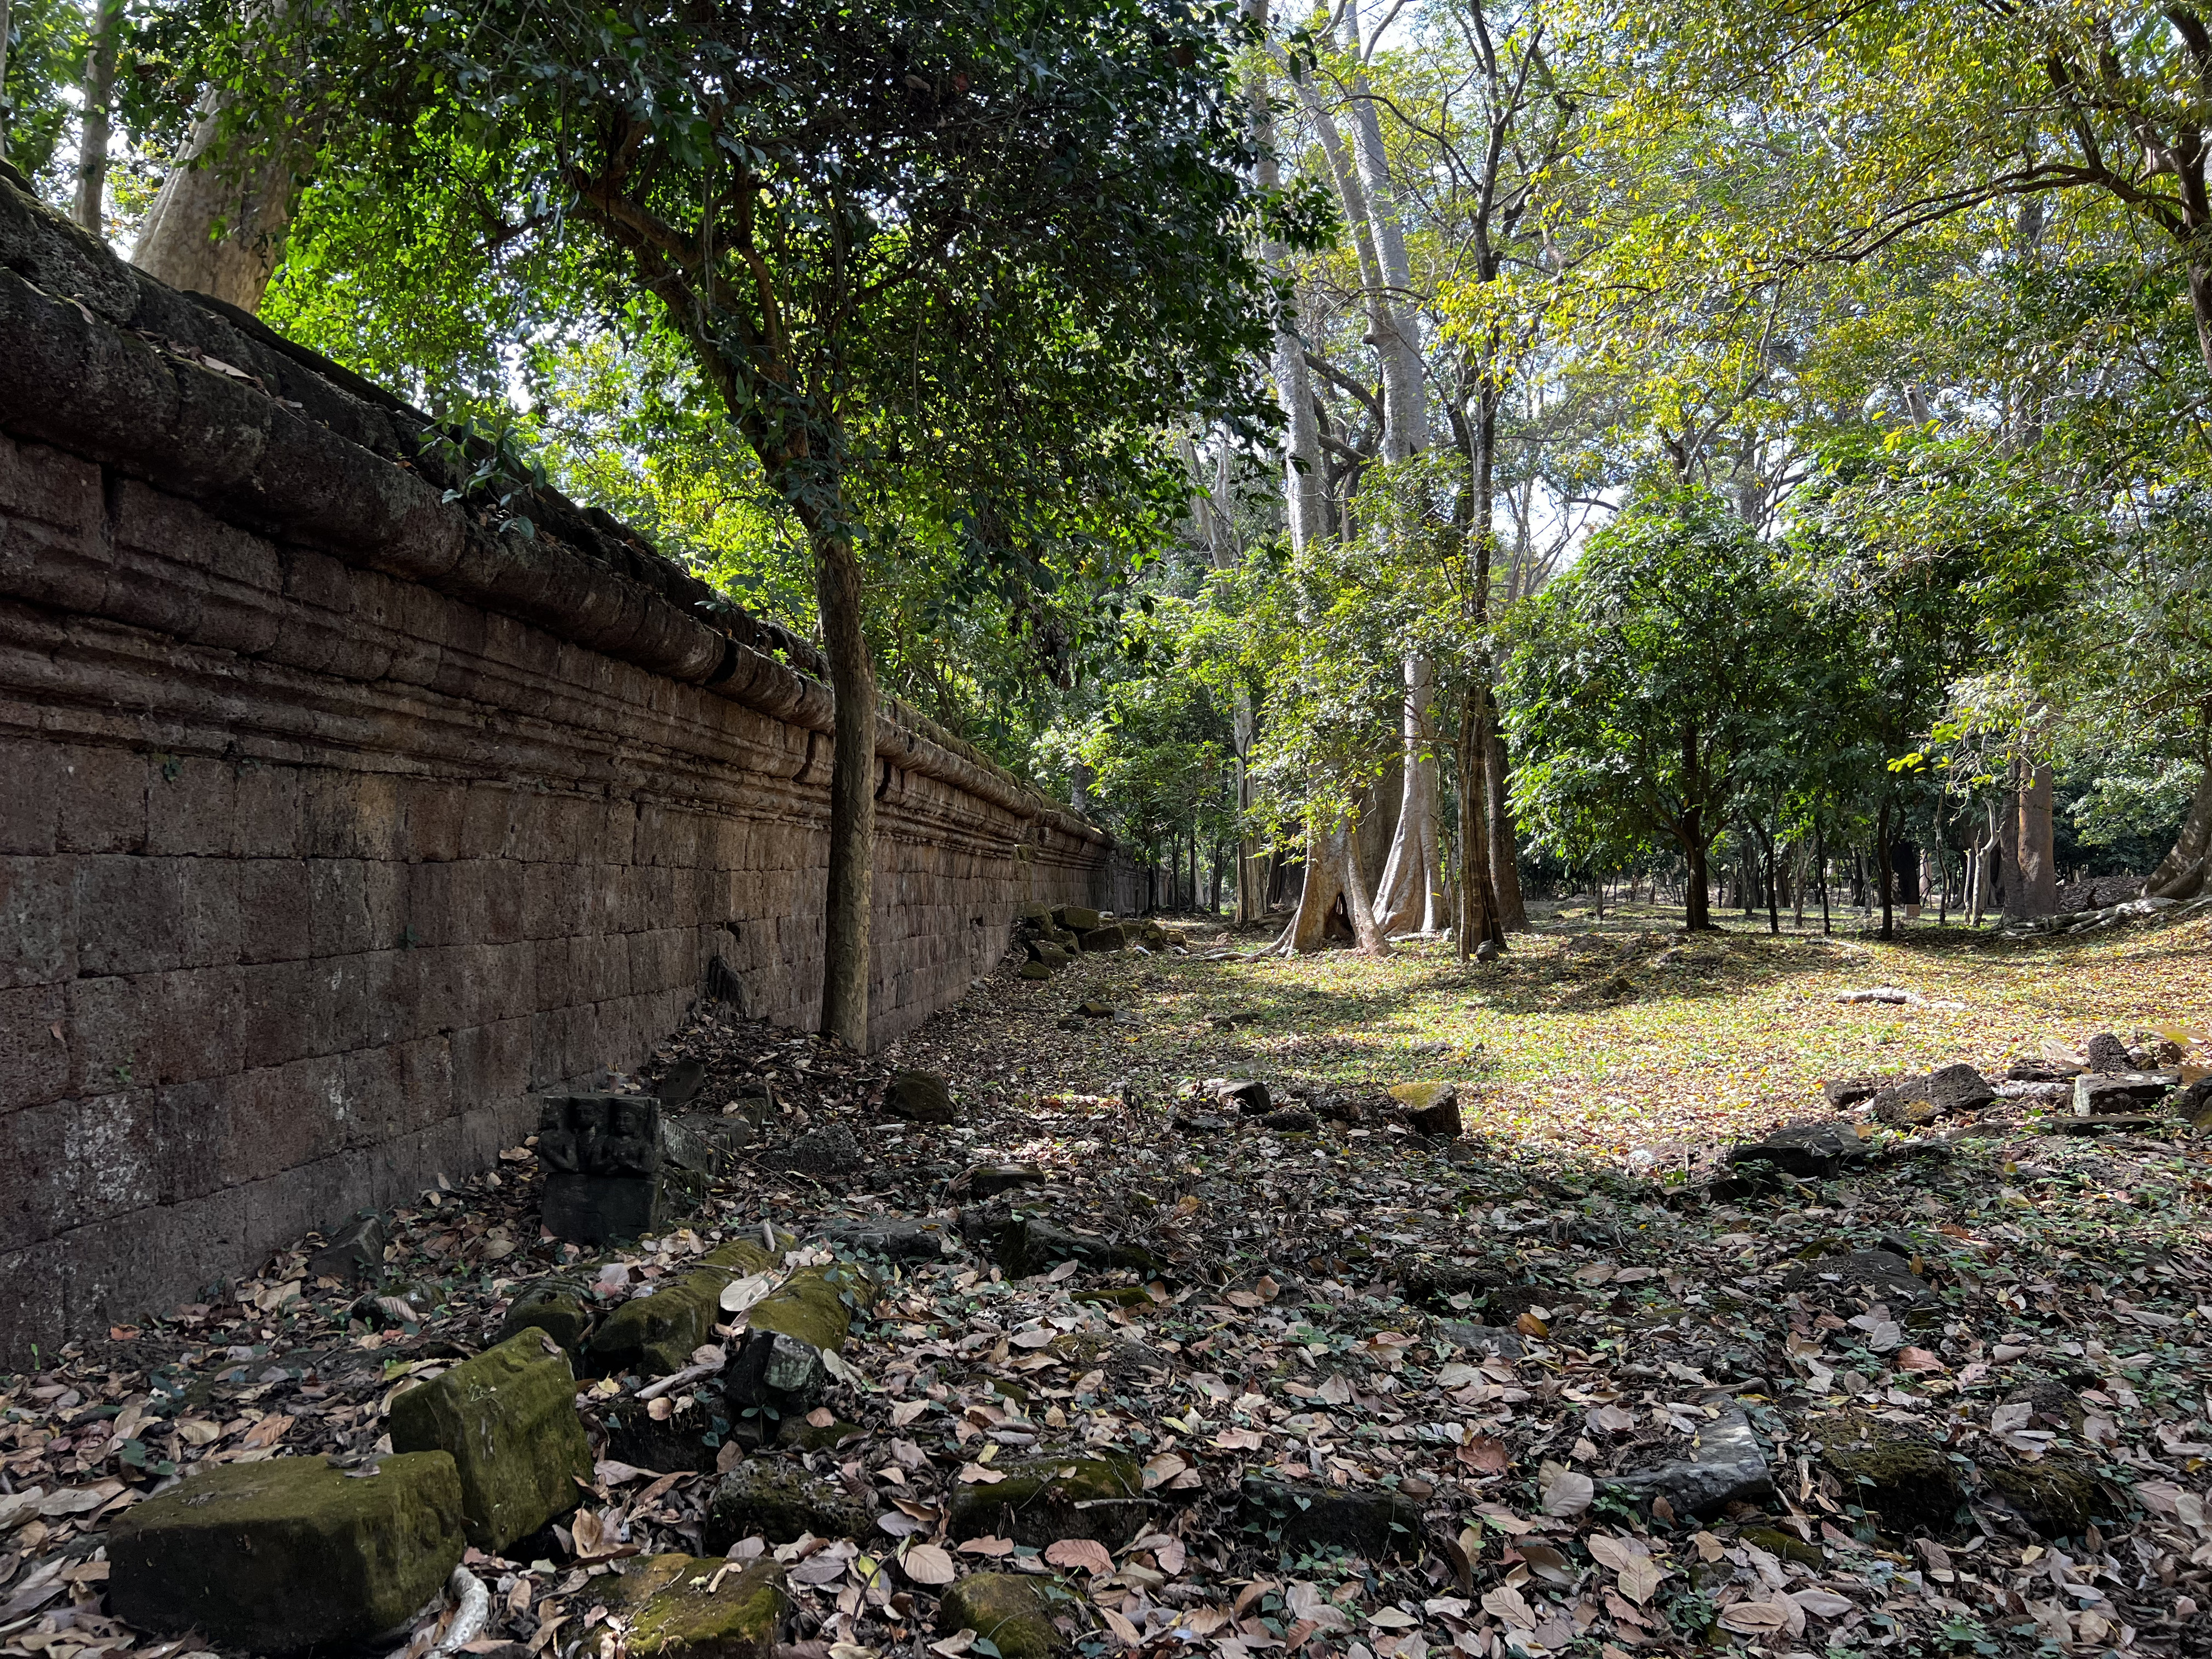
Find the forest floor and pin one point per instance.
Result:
(1969, 1372)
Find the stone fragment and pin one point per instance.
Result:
(993, 1179)
(1034, 910)
(508, 1419)
(2040, 1071)
(829, 1151)
(2195, 1103)
(1431, 1109)
(1487, 950)
(893, 1238)
(1200, 1123)
(775, 1499)
(354, 1254)
(1884, 1275)
(1725, 1466)
(798, 1434)
(1247, 1095)
(1048, 952)
(1302, 1517)
(1811, 1152)
(2057, 1494)
(1077, 919)
(1094, 1009)
(1290, 1120)
(679, 1083)
(1098, 940)
(1041, 1500)
(602, 1157)
(1033, 971)
(776, 1365)
(919, 1097)
(288, 1554)
(563, 1311)
(684, 1607)
(656, 1334)
(1482, 1339)
(1843, 1092)
(1891, 1467)
(1007, 1609)
(1437, 1286)
(1022, 1245)
(1954, 1089)
(2096, 1093)
(2107, 1053)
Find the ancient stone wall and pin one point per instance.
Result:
(332, 823)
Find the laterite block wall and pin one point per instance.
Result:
(333, 826)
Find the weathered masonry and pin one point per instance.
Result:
(332, 824)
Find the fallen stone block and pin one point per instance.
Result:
(1292, 1120)
(290, 1554)
(894, 1238)
(509, 1420)
(1482, 1339)
(776, 1367)
(1372, 1522)
(2096, 1094)
(354, 1254)
(1844, 1092)
(2057, 1494)
(1011, 1611)
(1811, 1152)
(686, 1606)
(656, 1334)
(1431, 1109)
(679, 1083)
(2107, 1053)
(1246, 1094)
(1033, 971)
(776, 1499)
(1078, 920)
(1039, 1500)
(1905, 1474)
(1099, 940)
(993, 1179)
(1725, 1466)
(919, 1097)
(829, 1151)
(1023, 1245)
(563, 1309)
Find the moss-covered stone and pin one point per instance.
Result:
(289, 1554)
(653, 1335)
(689, 1607)
(1011, 1611)
(1077, 918)
(562, 1311)
(1786, 1544)
(2056, 1495)
(797, 1434)
(776, 1366)
(777, 1499)
(1043, 1500)
(919, 1097)
(812, 1306)
(509, 1420)
(1112, 936)
(1373, 1522)
(1893, 1469)
(1033, 971)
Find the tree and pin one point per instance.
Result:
(982, 254)
(1642, 683)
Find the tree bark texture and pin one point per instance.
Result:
(1333, 872)
(2036, 891)
(218, 225)
(2186, 871)
(88, 209)
(847, 915)
(1505, 843)
(1412, 884)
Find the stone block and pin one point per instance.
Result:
(919, 1097)
(656, 1334)
(1010, 1610)
(1044, 1500)
(775, 1499)
(1303, 1517)
(509, 1420)
(290, 1554)
(683, 1607)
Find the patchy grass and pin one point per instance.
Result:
(1610, 1037)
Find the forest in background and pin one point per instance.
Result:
(1376, 459)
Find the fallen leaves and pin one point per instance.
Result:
(926, 1564)
(1564, 1491)
(1086, 1553)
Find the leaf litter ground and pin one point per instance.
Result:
(1307, 1314)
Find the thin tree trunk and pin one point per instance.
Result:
(1504, 845)
(1697, 897)
(93, 137)
(848, 914)
(1884, 866)
(6, 28)
(1773, 914)
(2039, 873)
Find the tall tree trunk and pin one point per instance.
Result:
(1885, 871)
(2186, 871)
(1773, 914)
(7, 33)
(218, 225)
(849, 912)
(1407, 894)
(2036, 888)
(93, 136)
(1477, 917)
(1333, 872)
(1697, 895)
(1820, 858)
(1505, 844)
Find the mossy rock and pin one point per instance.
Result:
(1903, 1473)
(1044, 1500)
(919, 1097)
(653, 1335)
(2056, 1495)
(797, 1434)
(689, 1607)
(509, 1420)
(1372, 1522)
(1033, 971)
(1100, 940)
(776, 1498)
(1077, 919)
(1022, 1247)
(1119, 1296)
(1431, 1284)
(1786, 1544)
(563, 1311)
(1011, 1611)
(812, 1306)
(288, 1554)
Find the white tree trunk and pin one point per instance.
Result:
(218, 225)
(88, 208)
